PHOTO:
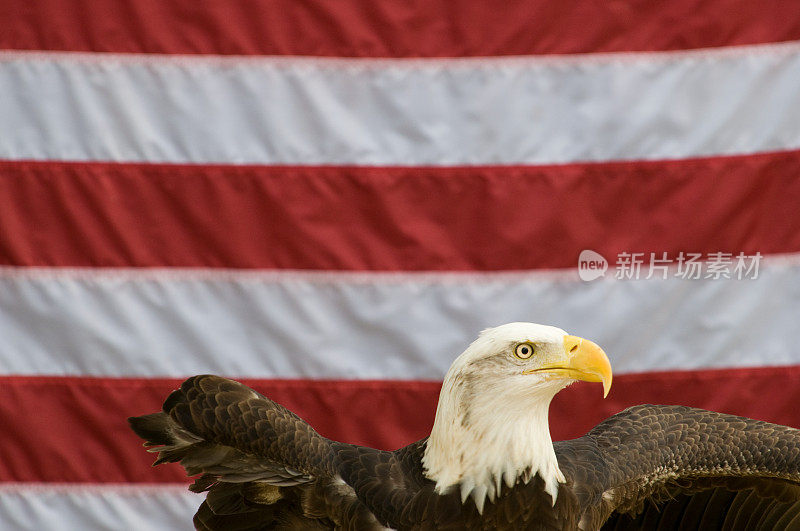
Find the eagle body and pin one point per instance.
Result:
(648, 467)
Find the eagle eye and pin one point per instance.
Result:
(524, 351)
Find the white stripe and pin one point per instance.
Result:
(267, 110)
(110, 507)
(382, 326)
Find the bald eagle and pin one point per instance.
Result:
(489, 462)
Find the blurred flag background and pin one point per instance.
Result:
(329, 200)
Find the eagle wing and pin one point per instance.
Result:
(261, 464)
(669, 467)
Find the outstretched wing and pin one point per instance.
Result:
(669, 467)
(262, 464)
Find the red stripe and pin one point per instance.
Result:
(393, 219)
(370, 28)
(74, 429)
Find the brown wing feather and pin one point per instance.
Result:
(262, 465)
(653, 458)
(225, 430)
(225, 412)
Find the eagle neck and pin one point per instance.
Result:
(480, 442)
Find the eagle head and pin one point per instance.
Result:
(491, 423)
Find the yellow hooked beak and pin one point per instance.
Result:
(583, 360)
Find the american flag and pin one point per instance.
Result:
(328, 200)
